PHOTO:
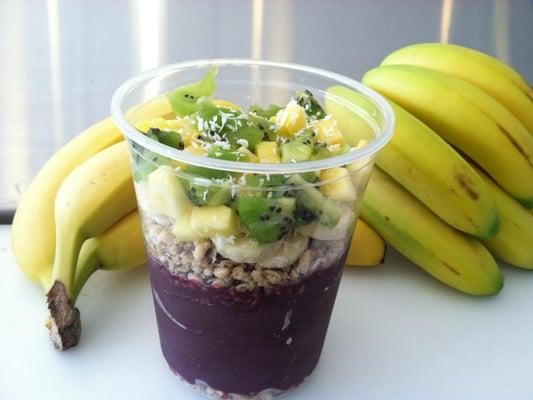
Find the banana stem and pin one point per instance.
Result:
(68, 247)
(88, 263)
(64, 321)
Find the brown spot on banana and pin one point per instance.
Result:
(515, 143)
(450, 268)
(465, 185)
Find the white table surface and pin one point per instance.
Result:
(395, 334)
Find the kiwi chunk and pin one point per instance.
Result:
(310, 105)
(267, 220)
(311, 200)
(247, 136)
(321, 150)
(299, 148)
(168, 138)
(227, 154)
(265, 180)
(145, 161)
(265, 112)
(259, 185)
(216, 121)
(250, 131)
(201, 188)
(183, 100)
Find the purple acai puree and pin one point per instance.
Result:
(244, 342)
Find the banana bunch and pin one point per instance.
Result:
(454, 186)
(79, 215)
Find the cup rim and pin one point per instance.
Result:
(355, 154)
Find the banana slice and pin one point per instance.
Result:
(243, 250)
(319, 231)
(144, 205)
(289, 251)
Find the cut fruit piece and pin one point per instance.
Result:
(299, 148)
(243, 250)
(289, 251)
(341, 187)
(183, 230)
(175, 124)
(342, 231)
(254, 181)
(313, 203)
(189, 132)
(227, 104)
(214, 122)
(166, 195)
(251, 156)
(310, 105)
(210, 221)
(196, 148)
(322, 150)
(327, 131)
(246, 136)
(143, 125)
(183, 100)
(201, 188)
(268, 152)
(225, 154)
(267, 220)
(290, 120)
(367, 248)
(267, 113)
(169, 138)
(159, 123)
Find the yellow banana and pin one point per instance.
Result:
(120, 247)
(444, 103)
(486, 72)
(34, 217)
(406, 224)
(367, 248)
(432, 171)
(514, 243)
(90, 200)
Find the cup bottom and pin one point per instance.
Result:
(209, 393)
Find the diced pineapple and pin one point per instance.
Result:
(268, 152)
(183, 230)
(159, 123)
(210, 221)
(341, 187)
(143, 126)
(195, 147)
(251, 156)
(327, 131)
(189, 132)
(166, 195)
(226, 104)
(290, 119)
(175, 124)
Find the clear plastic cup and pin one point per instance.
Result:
(238, 317)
